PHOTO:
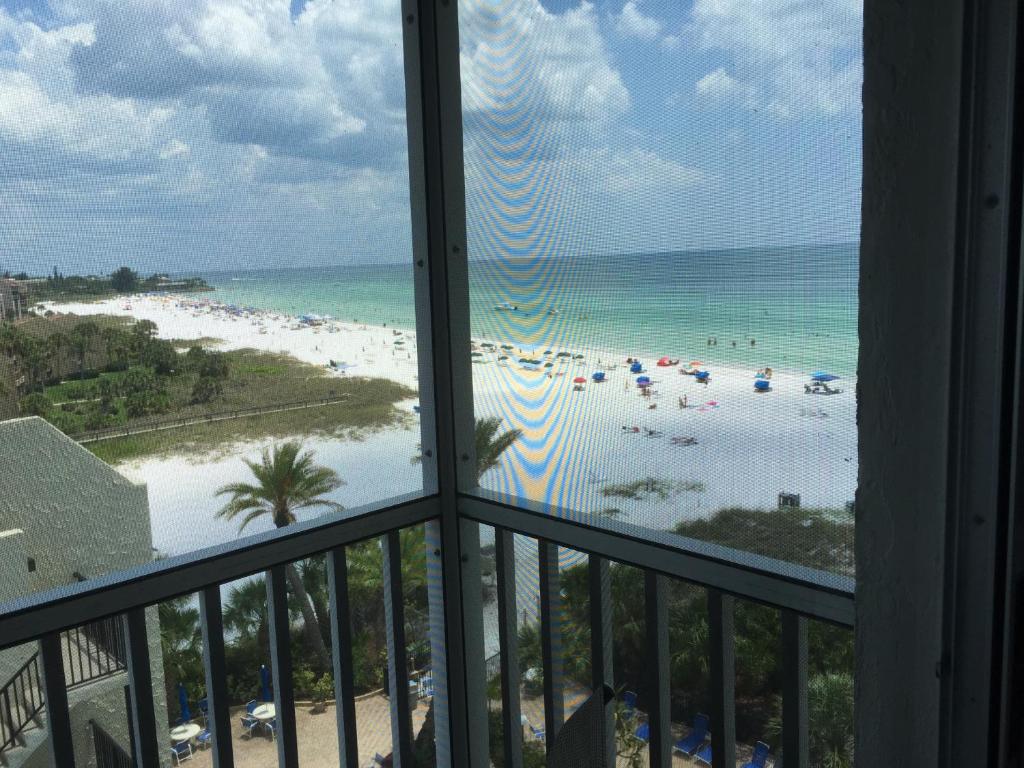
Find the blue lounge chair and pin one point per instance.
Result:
(704, 756)
(180, 752)
(205, 738)
(697, 736)
(251, 705)
(643, 732)
(760, 756)
(204, 708)
(271, 726)
(538, 733)
(629, 699)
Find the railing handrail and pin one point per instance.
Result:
(11, 728)
(108, 744)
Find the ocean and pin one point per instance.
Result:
(792, 308)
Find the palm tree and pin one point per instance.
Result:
(81, 338)
(287, 480)
(489, 444)
(56, 344)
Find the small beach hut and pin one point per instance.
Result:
(598, 376)
(636, 366)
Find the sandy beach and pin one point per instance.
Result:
(729, 446)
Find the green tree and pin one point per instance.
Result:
(81, 339)
(206, 389)
(124, 280)
(181, 645)
(36, 404)
(57, 344)
(489, 444)
(287, 480)
(117, 345)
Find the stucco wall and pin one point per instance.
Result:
(78, 514)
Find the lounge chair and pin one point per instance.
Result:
(698, 735)
(537, 733)
(643, 732)
(180, 752)
(704, 756)
(760, 756)
(271, 726)
(205, 738)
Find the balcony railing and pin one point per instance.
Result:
(46, 618)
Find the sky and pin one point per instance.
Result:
(201, 135)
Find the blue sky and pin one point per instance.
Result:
(216, 134)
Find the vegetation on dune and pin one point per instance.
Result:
(102, 373)
(651, 486)
(124, 280)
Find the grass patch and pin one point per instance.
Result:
(206, 342)
(817, 538)
(344, 420)
(651, 486)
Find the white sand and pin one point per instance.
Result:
(750, 446)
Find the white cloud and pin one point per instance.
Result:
(174, 148)
(633, 23)
(720, 86)
(559, 70)
(801, 58)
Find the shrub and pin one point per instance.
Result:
(36, 404)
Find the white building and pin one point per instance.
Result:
(65, 516)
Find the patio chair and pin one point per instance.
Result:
(697, 736)
(643, 732)
(204, 709)
(271, 726)
(537, 733)
(249, 724)
(704, 755)
(251, 705)
(760, 756)
(629, 700)
(205, 738)
(181, 752)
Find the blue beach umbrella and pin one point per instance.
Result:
(186, 713)
(822, 376)
(598, 376)
(701, 375)
(265, 683)
(762, 385)
(643, 381)
(636, 367)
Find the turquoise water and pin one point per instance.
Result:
(797, 304)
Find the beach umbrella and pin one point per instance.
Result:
(186, 713)
(762, 385)
(598, 376)
(265, 683)
(643, 381)
(579, 380)
(665, 361)
(702, 374)
(822, 376)
(636, 367)
(695, 363)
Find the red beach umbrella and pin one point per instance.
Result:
(579, 380)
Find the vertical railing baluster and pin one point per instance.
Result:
(437, 685)
(281, 666)
(723, 678)
(601, 668)
(211, 622)
(658, 673)
(794, 690)
(508, 641)
(398, 666)
(140, 678)
(551, 639)
(55, 694)
(474, 666)
(341, 645)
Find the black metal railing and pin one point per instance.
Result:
(109, 754)
(93, 651)
(21, 700)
